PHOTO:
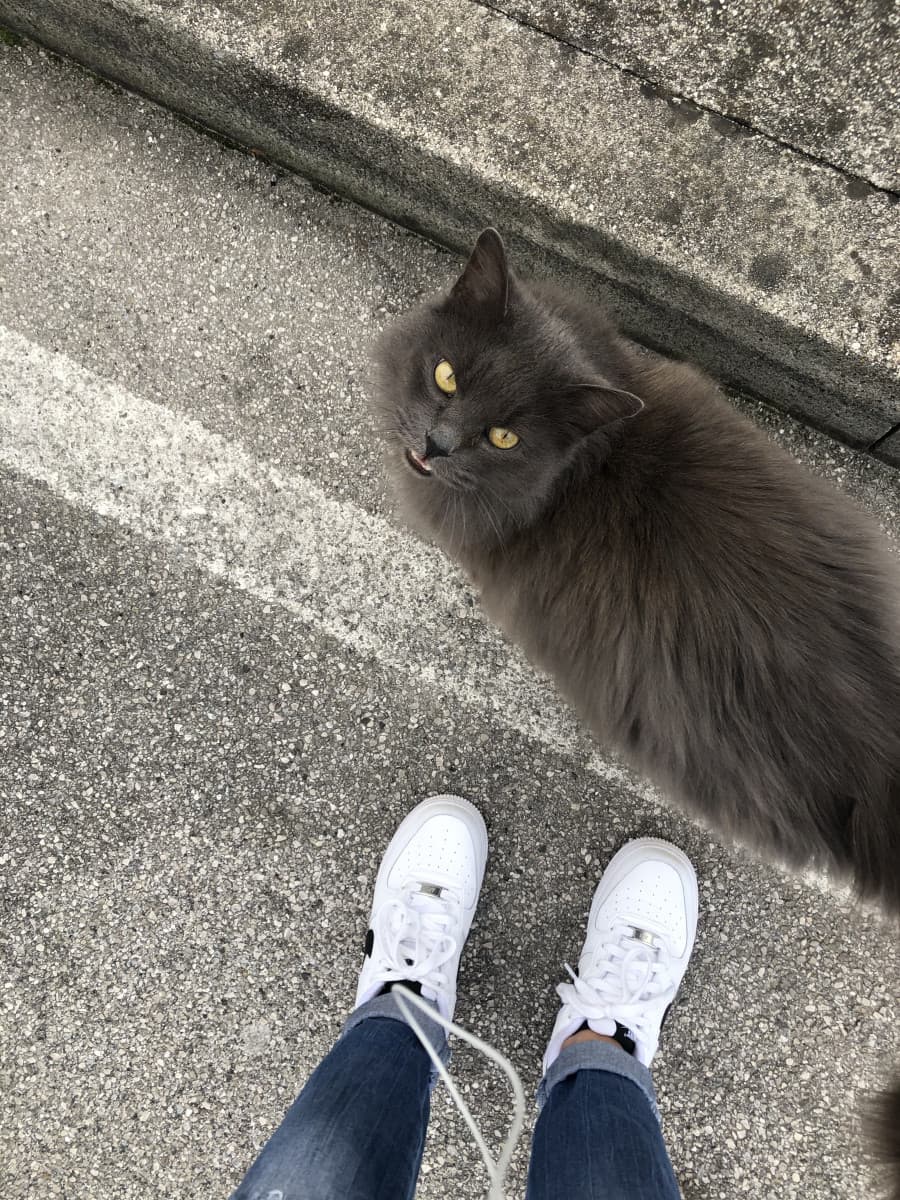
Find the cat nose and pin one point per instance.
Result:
(440, 442)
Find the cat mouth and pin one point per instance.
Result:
(418, 464)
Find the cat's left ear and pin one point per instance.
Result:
(485, 279)
(603, 404)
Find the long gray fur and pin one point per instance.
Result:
(725, 620)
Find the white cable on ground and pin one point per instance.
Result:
(496, 1170)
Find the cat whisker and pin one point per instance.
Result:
(491, 520)
(457, 508)
(495, 495)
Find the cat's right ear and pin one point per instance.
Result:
(484, 282)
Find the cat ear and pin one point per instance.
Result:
(603, 404)
(485, 279)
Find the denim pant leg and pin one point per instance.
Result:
(598, 1135)
(357, 1130)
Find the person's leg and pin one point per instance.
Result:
(598, 1134)
(357, 1130)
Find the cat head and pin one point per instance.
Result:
(485, 397)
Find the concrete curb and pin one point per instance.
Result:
(710, 242)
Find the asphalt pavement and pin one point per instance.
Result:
(226, 674)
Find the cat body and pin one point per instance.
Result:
(720, 617)
(725, 622)
(723, 619)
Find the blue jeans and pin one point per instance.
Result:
(357, 1130)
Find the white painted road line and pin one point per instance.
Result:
(275, 535)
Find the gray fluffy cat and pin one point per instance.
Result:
(726, 621)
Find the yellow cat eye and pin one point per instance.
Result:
(503, 439)
(444, 377)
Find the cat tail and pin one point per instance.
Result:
(884, 1129)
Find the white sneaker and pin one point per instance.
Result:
(425, 896)
(641, 932)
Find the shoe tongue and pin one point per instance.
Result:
(644, 951)
(426, 900)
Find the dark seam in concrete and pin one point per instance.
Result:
(873, 446)
(667, 95)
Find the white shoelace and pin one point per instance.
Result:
(626, 976)
(413, 943)
(412, 938)
(496, 1168)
